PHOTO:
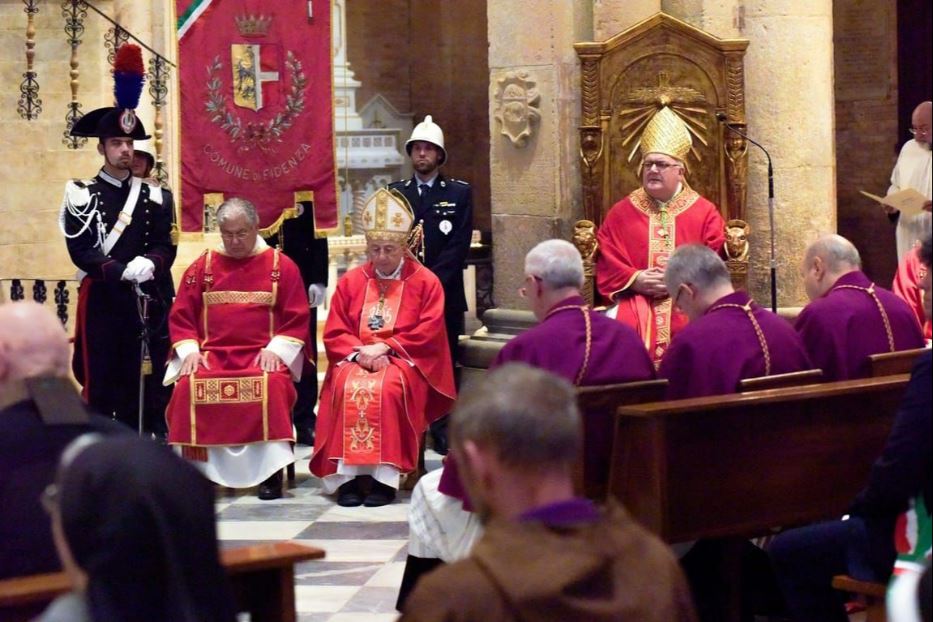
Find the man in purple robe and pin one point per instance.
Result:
(730, 337)
(572, 341)
(849, 317)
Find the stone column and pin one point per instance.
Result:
(611, 17)
(534, 87)
(790, 110)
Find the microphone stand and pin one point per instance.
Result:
(721, 117)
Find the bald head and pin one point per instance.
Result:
(32, 342)
(826, 260)
(920, 122)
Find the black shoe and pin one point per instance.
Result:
(349, 495)
(379, 495)
(305, 436)
(271, 488)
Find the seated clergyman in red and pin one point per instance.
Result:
(389, 373)
(239, 328)
(849, 317)
(730, 337)
(546, 555)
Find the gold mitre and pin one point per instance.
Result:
(666, 133)
(387, 216)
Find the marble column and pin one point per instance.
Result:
(535, 180)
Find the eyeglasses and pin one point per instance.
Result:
(239, 235)
(923, 129)
(523, 291)
(659, 164)
(677, 295)
(48, 498)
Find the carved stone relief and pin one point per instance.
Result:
(516, 110)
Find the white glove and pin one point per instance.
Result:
(316, 294)
(139, 269)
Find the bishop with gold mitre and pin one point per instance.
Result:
(642, 230)
(389, 373)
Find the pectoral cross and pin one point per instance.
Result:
(376, 322)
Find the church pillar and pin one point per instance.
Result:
(613, 16)
(790, 110)
(534, 80)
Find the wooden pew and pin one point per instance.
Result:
(741, 464)
(777, 381)
(597, 406)
(262, 579)
(890, 363)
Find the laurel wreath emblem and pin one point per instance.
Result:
(251, 135)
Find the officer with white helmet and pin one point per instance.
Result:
(444, 208)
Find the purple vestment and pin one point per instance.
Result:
(843, 327)
(558, 345)
(721, 347)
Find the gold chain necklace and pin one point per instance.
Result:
(589, 337)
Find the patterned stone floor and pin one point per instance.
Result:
(366, 547)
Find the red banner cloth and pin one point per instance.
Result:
(256, 107)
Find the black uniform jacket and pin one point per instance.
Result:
(446, 211)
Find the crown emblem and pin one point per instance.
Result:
(253, 25)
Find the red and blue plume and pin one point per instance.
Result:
(128, 76)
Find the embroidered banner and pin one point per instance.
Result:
(257, 108)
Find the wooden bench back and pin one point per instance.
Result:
(261, 577)
(778, 381)
(597, 406)
(741, 464)
(890, 363)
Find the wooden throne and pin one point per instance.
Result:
(625, 80)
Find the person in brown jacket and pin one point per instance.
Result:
(546, 555)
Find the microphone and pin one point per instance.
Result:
(722, 118)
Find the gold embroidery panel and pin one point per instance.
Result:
(231, 297)
(228, 390)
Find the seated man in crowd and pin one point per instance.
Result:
(643, 229)
(389, 373)
(576, 343)
(898, 496)
(40, 413)
(849, 318)
(910, 273)
(239, 329)
(546, 554)
(729, 337)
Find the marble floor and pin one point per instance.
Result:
(366, 547)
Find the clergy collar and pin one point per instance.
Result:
(113, 181)
(429, 183)
(396, 274)
(259, 248)
(735, 298)
(567, 303)
(663, 204)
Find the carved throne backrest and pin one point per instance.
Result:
(660, 62)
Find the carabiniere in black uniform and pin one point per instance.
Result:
(107, 325)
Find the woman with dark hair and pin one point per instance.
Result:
(135, 529)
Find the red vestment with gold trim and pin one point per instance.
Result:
(371, 418)
(233, 308)
(635, 236)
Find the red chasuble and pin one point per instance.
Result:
(376, 418)
(635, 236)
(907, 286)
(233, 308)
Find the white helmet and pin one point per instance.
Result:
(429, 132)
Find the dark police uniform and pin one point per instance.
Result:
(446, 212)
(107, 330)
(297, 240)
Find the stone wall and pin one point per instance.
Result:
(430, 57)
